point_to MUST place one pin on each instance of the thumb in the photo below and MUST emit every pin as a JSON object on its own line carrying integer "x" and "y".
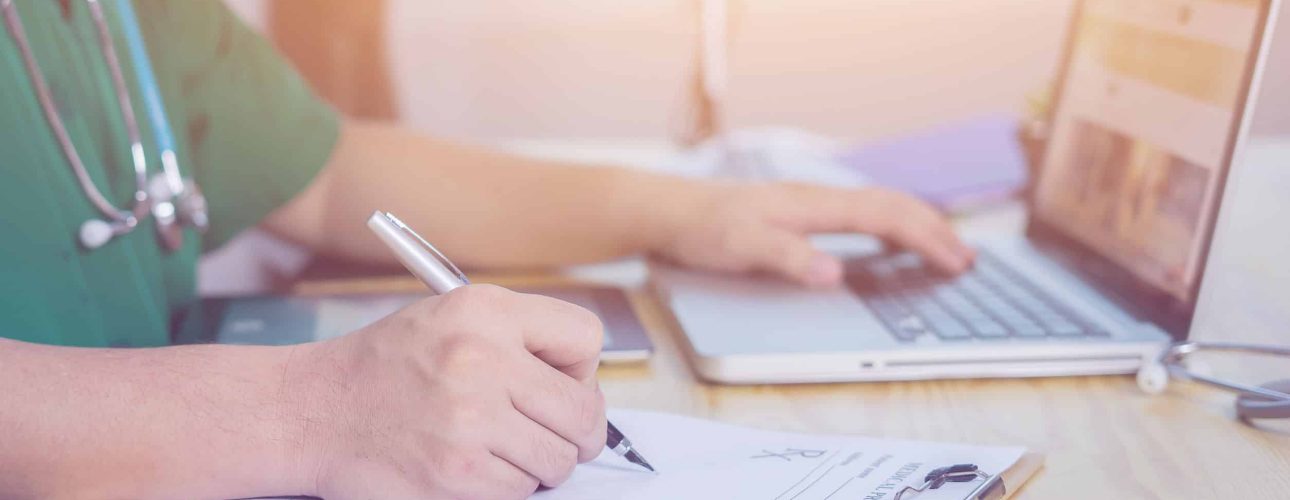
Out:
{"x": 792, "y": 256}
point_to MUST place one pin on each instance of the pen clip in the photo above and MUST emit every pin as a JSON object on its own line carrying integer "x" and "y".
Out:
{"x": 447, "y": 264}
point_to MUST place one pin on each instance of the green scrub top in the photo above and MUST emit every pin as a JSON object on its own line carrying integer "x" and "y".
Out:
{"x": 247, "y": 128}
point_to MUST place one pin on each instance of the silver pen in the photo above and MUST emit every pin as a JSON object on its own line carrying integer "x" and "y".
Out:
{"x": 439, "y": 273}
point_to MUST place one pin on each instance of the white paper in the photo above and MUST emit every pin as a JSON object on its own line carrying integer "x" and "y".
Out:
{"x": 704, "y": 459}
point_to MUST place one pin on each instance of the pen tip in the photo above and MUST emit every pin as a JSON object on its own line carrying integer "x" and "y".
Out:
{"x": 637, "y": 459}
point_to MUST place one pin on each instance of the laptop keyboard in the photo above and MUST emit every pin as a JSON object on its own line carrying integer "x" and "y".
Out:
{"x": 990, "y": 302}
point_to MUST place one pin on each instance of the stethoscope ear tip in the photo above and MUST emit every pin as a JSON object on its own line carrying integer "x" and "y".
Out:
{"x": 95, "y": 233}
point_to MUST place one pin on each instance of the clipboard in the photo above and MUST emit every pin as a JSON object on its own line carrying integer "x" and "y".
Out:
{"x": 1026, "y": 467}
{"x": 978, "y": 484}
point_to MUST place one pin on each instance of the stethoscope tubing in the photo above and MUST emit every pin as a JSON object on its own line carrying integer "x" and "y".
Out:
{"x": 175, "y": 201}
{"x": 1173, "y": 358}
{"x": 50, "y": 110}
{"x": 151, "y": 95}
{"x": 126, "y": 103}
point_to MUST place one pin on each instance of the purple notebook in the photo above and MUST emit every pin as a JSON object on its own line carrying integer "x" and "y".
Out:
{"x": 956, "y": 166}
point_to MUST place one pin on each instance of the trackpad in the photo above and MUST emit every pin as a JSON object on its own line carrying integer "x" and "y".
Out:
{"x": 724, "y": 315}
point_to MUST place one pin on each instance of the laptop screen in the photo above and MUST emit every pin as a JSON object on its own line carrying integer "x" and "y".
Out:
{"x": 1150, "y": 102}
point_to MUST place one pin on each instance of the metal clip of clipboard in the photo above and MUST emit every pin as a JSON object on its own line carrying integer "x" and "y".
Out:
{"x": 991, "y": 487}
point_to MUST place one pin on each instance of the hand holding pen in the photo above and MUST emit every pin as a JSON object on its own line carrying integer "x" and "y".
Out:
{"x": 441, "y": 276}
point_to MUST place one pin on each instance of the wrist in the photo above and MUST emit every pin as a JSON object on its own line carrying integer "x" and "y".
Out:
{"x": 309, "y": 396}
{"x": 664, "y": 207}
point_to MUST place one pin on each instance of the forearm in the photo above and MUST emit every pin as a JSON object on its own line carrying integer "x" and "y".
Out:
{"x": 484, "y": 208}
{"x": 182, "y": 422}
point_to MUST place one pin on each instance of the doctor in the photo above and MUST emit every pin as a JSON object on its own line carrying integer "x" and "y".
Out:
{"x": 136, "y": 136}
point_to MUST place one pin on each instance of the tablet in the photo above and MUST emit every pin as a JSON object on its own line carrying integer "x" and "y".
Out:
{"x": 282, "y": 320}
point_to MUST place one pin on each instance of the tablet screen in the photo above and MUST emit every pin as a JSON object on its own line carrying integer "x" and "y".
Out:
{"x": 283, "y": 320}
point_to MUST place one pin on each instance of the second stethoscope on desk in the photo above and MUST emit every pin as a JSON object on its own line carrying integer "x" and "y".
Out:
{"x": 1271, "y": 400}
{"x": 172, "y": 201}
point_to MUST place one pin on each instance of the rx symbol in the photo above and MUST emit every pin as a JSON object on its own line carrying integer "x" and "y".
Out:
{"x": 789, "y": 453}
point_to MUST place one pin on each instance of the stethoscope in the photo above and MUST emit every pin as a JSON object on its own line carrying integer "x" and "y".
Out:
{"x": 173, "y": 201}
{"x": 1271, "y": 400}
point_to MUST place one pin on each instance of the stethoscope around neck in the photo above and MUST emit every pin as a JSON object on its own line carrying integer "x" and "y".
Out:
{"x": 172, "y": 201}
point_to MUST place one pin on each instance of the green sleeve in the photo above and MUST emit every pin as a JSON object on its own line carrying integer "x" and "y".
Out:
{"x": 252, "y": 131}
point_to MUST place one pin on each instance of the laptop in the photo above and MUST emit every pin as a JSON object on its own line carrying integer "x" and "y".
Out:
{"x": 1152, "y": 105}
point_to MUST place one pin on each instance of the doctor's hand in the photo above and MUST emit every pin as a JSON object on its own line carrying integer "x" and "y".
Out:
{"x": 764, "y": 228}
{"x": 479, "y": 393}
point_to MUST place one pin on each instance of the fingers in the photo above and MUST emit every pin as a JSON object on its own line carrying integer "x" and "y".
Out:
{"x": 792, "y": 256}
{"x": 935, "y": 243}
{"x": 466, "y": 473}
{"x": 499, "y": 479}
{"x": 572, "y": 409}
{"x": 551, "y": 377}
{"x": 535, "y": 449}
{"x": 895, "y": 217}
{"x": 561, "y": 334}
{"x": 570, "y": 341}
{"x": 463, "y": 390}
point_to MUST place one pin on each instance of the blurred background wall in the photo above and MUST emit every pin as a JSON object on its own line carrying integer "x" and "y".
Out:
{"x": 853, "y": 69}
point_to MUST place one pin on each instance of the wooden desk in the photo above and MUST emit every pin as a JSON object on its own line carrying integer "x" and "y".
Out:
{"x": 1103, "y": 438}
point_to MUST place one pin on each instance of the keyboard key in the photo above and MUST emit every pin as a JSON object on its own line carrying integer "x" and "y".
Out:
{"x": 891, "y": 313}
{"x": 1010, "y": 314}
{"x": 989, "y": 330}
{"x": 1053, "y": 320}
{"x": 994, "y": 304}
{"x": 989, "y": 302}
{"x": 885, "y": 306}
{"x": 951, "y": 330}
{"x": 1065, "y": 329}
{"x": 1037, "y": 308}
{"x": 909, "y": 328}
{"x": 971, "y": 314}
{"x": 1030, "y": 331}
{"x": 928, "y": 308}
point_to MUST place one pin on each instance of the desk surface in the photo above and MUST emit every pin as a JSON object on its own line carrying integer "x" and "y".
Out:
{"x": 1102, "y": 437}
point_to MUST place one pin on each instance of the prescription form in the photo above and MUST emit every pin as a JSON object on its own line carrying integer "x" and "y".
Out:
{"x": 702, "y": 459}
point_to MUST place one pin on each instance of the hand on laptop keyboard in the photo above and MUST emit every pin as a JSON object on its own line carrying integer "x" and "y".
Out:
{"x": 764, "y": 228}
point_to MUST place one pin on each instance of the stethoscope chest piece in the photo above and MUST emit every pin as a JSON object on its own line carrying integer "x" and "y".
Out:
{"x": 1255, "y": 406}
